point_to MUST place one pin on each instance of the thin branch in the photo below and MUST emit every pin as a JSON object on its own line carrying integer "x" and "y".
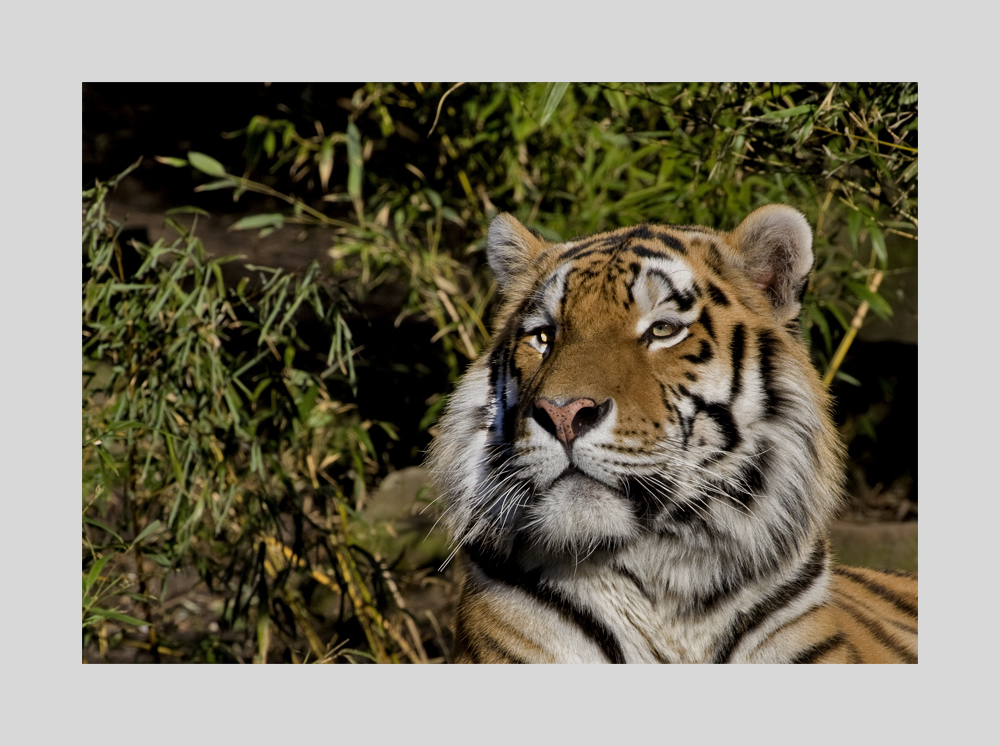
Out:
{"x": 440, "y": 104}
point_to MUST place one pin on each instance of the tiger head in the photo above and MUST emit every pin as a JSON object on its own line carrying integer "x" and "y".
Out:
{"x": 647, "y": 384}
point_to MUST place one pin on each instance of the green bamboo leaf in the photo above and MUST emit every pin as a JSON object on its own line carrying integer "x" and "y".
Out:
{"x": 168, "y": 161}
{"x": 878, "y": 245}
{"x": 554, "y": 93}
{"x": 847, "y": 378}
{"x": 389, "y": 429}
{"x": 853, "y": 227}
{"x": 434, "y": 197}
{"x": 824, "y": 327}
{"x": 213, "y": 185}
{"x": 109, "y": 463}
{"x": 879, "y": 306}
{"x": 95, "y": 571}
{"x": 360, "y": 653}
{"x": 786, "y": 113}
{"x": 117, "y": 616}
{"x": 264, "y": 220}
{"x": 355, "y": 162}
{"x": 308, "y": 401}
{"x": 161, "y": 559}
{"x": 838, "y": 314}
{"x": 206, "y": 164}
{"x": 187, "y": 210}
{"x": 326, "y": 162}
{"x": 363, "y": 439}
{"x": 432, "y": 413}
{"x": 145, "y": 533}
{"x": 115, "y": 427}
{"x": 103, "y": 527}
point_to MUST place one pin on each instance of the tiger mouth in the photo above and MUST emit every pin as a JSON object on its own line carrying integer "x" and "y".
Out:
{"x": 574, "y": 479}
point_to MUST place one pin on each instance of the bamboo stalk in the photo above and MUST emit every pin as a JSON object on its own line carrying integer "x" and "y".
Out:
{"x": 856, "y": 322}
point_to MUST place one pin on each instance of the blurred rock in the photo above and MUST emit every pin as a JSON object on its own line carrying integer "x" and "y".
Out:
{"x": 402, "y": 518}
{"x": 881, "y": 546}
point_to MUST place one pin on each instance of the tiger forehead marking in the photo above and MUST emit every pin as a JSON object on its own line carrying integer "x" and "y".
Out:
{"x": 642, "y": 466}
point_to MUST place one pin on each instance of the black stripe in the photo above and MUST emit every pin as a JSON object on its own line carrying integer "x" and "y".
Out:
{"x": 717, "y": 295}
{"x": 577, "y": 253}
{"x": 684, "y": 299}
{"x": 752, "y": 476}
{"x": 855, "y": 655}
{"x": 583, "y": 618}
{"x": 879, "y": 633}
{"x": 633, "y": 578}
{"x": 877, "y": 613}
{"x": 492, "y": 644}
{"x": 532, "y": 584}
{"x": 785, "y": 539}
{"x": 706, "y": 321}
{"x": 649, "y": 252}
{"x": 603, "y": 240}
{"x": 737, "y": 346}
{"x": 701, "y": 603}
{"x": 880, "y": 591}
{"x": 811, "y": 654}
{"x": 648, "y": 232}
{"x": 723, "y": 419}
{"x": 665, "y": 398}
{"x": 643, "y": 504}
{"x": 635, "y": 268}
{"x": 774, "y": 399}
{"x": 800, "y": 293}
{"x": 714, "y": 261}
{"x": 747, "y": 621}
{"x": 704, "y": 354}
{"x": 692, "y": 511}
{"x": 899, "y": 573}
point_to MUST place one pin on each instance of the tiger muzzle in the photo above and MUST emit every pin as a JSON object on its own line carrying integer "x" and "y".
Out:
{"x": 569, "y": 421}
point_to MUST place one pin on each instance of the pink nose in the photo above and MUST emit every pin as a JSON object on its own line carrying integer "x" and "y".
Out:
{"x": 567, "y": 419}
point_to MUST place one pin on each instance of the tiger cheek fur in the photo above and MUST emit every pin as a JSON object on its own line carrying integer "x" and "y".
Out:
{"x": 642, "y": 467}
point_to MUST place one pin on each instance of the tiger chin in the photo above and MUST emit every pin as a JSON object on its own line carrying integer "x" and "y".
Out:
{"x": 643, "y": 467}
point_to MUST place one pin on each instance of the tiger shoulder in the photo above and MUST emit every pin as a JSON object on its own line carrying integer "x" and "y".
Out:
{"x": 643, "y": 466}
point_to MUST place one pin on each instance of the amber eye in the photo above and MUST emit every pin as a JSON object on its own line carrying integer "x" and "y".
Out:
{"x": 541, "y": 339}
{"x": 664, "y": 329}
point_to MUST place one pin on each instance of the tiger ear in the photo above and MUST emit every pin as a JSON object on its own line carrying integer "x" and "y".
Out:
{"x": 773, "y": 246}
{"x": 511, "y": 247}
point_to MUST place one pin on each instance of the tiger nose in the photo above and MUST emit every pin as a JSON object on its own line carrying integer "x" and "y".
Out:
{"x": 569, "y": 421}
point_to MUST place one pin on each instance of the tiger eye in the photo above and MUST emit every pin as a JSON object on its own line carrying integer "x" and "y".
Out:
{"x": 664, "y": 329}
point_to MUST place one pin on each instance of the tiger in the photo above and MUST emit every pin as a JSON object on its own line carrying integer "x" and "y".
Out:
{"x": 643, "y": 465}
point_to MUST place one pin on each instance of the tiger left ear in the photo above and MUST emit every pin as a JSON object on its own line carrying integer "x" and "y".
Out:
{"x": 773, "y": 246}
{"x": 511, "y": 247}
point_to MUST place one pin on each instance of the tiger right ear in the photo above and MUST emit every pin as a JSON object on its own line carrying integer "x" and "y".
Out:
{"x": 511, "y": 247}
{"x": 773, "y": 245}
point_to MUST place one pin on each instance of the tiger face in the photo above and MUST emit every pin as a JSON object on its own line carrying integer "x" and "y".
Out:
{"x": 645, "y": 387}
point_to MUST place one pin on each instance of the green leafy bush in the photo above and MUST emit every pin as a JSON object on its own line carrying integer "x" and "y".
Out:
{"x": 212, "y": 447}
